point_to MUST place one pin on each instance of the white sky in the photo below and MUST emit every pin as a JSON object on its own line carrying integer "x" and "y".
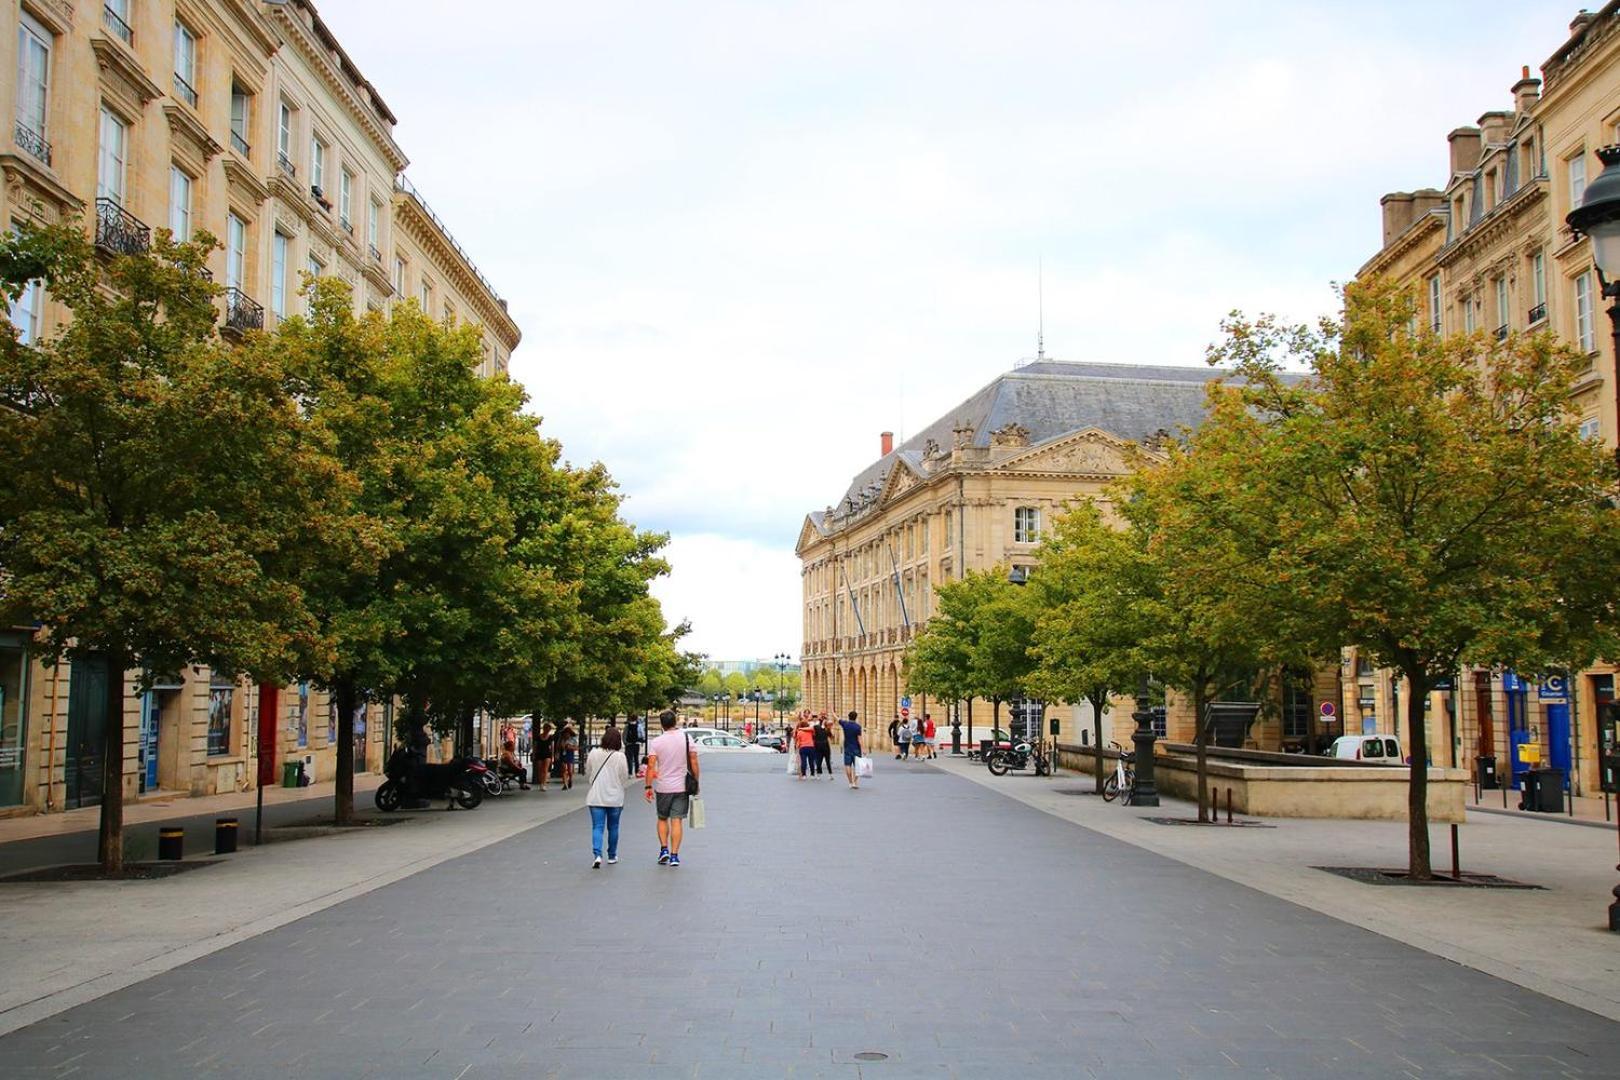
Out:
{"x": 742, "y": 239}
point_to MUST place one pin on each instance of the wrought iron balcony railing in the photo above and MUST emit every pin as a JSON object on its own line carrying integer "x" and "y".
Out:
{"x": 1502, "y": 332}
{"x": 286, "y": 164}
{"x": 348, "y": 226}
{"x": 33, "y": 142}
{"x": 1537, "y": 313}
{"x": 375, "y": 254}
{"x": 115, "y": 22}
{"x": 242, "y": 313}
{"x": 184, "y": 90}
{"x": 118, "y": 231}
{"x": 239, "y": 144}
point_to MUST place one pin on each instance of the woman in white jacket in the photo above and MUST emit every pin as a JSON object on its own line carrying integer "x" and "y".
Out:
{"x": 607, "y": 772}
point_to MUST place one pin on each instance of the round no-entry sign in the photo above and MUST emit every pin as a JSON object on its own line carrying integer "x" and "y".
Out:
{"x": 1327, "y": 708}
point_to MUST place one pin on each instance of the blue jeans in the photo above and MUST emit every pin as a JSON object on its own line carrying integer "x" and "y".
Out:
{"x": 609, "y": 816}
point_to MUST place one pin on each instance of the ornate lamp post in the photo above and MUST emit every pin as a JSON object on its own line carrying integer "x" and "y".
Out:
{"x": 1143, "y": 790}
{"x": 782, "y": 660}
{"x": 1598, "y": 218}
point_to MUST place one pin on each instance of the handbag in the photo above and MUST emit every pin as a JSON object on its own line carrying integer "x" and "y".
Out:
{"x": 863, "y": 767}
{"x": 691, "y": 777}
{"x": 697, "y": 814}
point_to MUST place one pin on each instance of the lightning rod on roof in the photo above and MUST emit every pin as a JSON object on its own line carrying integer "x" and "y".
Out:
{"x": 1040, "y": 307}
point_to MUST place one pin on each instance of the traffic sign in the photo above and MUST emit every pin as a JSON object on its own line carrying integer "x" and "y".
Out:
{"x": 1327, "y": 708}
{"x": 905, "y": 702}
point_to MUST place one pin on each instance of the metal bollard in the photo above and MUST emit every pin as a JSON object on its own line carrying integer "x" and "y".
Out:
{"x": 1229, "y": 806}
{"x": 1456, "y": 863}
{"x": 225, "y": 836}
{"x": 171, "y": 844}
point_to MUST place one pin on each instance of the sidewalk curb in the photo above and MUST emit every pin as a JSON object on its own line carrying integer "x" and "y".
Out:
{"x": 1563, "y": 819}
{"x": 98, "y": 985}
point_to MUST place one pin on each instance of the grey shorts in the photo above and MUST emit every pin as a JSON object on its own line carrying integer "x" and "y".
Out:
{"x": 672, "y": 804}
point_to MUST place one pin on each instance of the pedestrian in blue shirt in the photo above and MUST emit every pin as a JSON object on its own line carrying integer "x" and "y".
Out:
{"x": 852, "y": 749}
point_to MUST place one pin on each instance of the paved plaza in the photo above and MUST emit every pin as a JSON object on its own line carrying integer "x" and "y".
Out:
{"x": 925, "y": 918}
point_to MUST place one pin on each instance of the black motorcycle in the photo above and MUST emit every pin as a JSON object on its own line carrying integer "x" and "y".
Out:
{"x": 410, "y": 779}
{"x": 1019, "y": 756}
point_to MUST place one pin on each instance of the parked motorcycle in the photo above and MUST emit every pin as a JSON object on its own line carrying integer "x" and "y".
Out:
{"x": 1019, "y": 756}
{"x": 409, "y": 778}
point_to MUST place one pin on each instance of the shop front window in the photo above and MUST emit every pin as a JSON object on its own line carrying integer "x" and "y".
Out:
{"x": 13, "y": 717}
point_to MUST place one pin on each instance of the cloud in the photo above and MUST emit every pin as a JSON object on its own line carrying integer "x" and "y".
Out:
{"x": 742, "y": 239}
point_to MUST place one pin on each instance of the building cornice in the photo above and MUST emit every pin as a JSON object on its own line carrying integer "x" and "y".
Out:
{"x": 23, "y": 173}
{"x": 317, "y": 56}
{"x": 1505, "y": 219}
{"x": 413, "y": 216}
{"x": 1405, "y": 242}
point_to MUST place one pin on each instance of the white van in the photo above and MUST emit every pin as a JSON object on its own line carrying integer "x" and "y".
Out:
{"x": 1383, "y": 749}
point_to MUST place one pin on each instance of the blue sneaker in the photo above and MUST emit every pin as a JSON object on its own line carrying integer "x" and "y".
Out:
{"x": 674, "y": 861}
{"x": 663, "y": 856}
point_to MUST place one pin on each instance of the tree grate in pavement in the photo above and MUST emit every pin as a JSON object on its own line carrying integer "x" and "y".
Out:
{"x": 136, "y": 871}
{"x": 1372, "y": 875}
{"x": 1238, "y": 824}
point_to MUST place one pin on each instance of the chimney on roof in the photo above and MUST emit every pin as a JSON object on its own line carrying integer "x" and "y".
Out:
{"x": 1464, "y": 150}
{"x": 888, "y": 443}
{"x": 1526, "y": 92}
{"x": 1397, "y": 214}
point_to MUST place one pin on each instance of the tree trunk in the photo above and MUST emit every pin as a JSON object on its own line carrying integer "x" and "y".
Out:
{"x": 1417, "y": 792}
{"x": 1099, "y": 701}
{"x": 110, "y": 837}
{"x": 1201, "y": 747}
{"x": 343, "y": 794}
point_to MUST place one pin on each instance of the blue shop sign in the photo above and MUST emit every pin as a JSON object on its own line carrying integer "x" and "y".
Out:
{"x": 1511, "y": 682}
{"x": 1554, "y": 688}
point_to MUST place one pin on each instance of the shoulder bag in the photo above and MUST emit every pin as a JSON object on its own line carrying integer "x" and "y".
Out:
{"x": 691, "y": 777}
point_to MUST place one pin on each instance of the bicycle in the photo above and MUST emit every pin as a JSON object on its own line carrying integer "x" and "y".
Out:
{"x": 1121, "y": 784}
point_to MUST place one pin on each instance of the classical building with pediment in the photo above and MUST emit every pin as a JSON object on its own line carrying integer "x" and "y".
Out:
{"x": 973, "y": 490}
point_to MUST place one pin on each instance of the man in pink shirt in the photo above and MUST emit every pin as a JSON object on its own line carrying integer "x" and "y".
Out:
{"x": 669, "y": 759}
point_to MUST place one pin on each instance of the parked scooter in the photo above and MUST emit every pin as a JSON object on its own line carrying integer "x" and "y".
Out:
{"x": 1019, "y": 756}
{"x": 409, "y": 778}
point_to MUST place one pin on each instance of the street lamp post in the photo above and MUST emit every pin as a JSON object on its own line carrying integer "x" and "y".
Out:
{"x": 1598, "y": 218}
{"x": 1143, "y": 790}
{"x": 782, "y": 660}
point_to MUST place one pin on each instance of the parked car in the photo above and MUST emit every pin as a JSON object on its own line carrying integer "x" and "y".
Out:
{"x": 1380, "y": 749}
{"x": 772, "y": 740}
{"x": 727, "y": 744}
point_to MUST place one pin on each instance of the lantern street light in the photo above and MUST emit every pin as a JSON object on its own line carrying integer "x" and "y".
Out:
{"x": 1598, "y": 218}
{"x": 781, "y": 660}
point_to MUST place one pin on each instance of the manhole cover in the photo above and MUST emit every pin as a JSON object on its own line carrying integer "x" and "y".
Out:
{"x": 871, "y": 1055}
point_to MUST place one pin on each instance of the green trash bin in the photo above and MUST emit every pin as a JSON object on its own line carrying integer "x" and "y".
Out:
{"x": 289, "y": 774}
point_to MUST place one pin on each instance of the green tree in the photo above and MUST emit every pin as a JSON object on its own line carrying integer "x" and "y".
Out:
{"x": 1085, "y": 635}
{"x": 1429, "y": 500}
{"x": 711, "y": 683}
{"x": 977, "y": 643}
{"x": 160, "y": 486}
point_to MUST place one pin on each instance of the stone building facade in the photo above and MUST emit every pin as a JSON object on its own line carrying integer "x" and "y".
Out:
{"x": 1490, "y": 253}
{"x": 974, "y": 490}
{"x": 246, "y": 119}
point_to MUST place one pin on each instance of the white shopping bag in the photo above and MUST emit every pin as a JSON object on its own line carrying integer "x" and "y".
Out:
{"x": 698, "y": 816}
{"x": 863, "y": 767}
{"x": 792, "y": 762}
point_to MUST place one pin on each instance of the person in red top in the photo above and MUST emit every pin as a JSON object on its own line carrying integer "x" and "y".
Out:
{"x": 928, "y": 734}
{"x": 805, "y": 739}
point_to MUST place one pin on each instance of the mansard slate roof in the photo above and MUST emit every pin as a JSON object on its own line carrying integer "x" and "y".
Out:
{"x": 1052, "y": 398}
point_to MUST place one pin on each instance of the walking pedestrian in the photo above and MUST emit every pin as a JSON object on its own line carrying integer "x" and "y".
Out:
{"x": 821, "y": 741}
{"x": 606, "y": 774}
{"x": 919, "y": 741}
{"x": 669, "y": 761}
{"x": 545, "y": 740}
{"x": 929, "y": 733}
{"x": 567, "y": 747}
{"x": 894, "y": 734}
{"x": 632, "y": 744}
{"x": 805, "y": 740}
{"x": 902, "y": 740}
{"x": 852, "y": 748}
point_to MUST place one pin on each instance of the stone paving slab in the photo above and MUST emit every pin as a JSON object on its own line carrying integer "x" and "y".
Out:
{"x": 812, "y": 923}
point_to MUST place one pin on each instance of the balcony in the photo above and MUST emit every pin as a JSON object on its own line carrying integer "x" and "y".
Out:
{"x": 1537, "y": 313}
{"x": 375, "y": 254}
{"x": 286, "y": 164}
{"x": 239, "y": 144}
{"x": 1502, "y": 332}
{"x": 241, "y": 312}
{"x": 33, "y": 143}
{"x": 115, "y": 23}
{"x": 184, "y": 90}
{"x": 348, "y": 226}
{"x": 118, "y": 231}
